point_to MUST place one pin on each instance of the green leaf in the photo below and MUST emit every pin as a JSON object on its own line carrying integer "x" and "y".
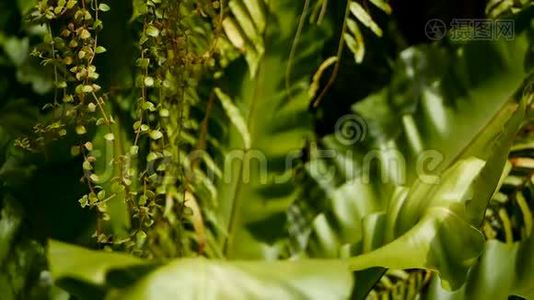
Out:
{"x": 189, "y": 278}
{"x": 152, "y": 31}
{"x": 235, "y": 116}
{"x": 316, "y": 82}
{"x": 361, "y": 14}
{"x": 21, "y": 258}
{"x": 87, "y": 165}
{"x": 87, "y": 89}
{"x": 143, "y": 62}
{"x": 134, "y": 150}
{"x": 68, "y": 261}
{"x": 383, "y": 5}
{"x": 71, "y": 3}
{"x": 232, "y": 32}
{"x": 113, "y": 146}
{"x": 156, "y": 134}
{"x": 16, "y": 49}
{"x": 355, "y": 41}
{"x": 243, "y": 18}
{"x": 256, "y": 188}
{"x": 109, "y": 136}
{"x": 85, "y": 34}
{"x": 502, "y": 271}
{"x": 256, "y": 9}
{"x": 11, "y": 218}
{"x": 25, "y": 6}
{"x": 147, "y": 105}
{"x": 139, "y": 8}
{"x": 103, "y": 7}
{"x": 405, "y": 206}
{"x": 441, "y": 229}
{"x": 148, "y": 81}
{"x": 245, "y": 29}
{"x": 100, "y": 49}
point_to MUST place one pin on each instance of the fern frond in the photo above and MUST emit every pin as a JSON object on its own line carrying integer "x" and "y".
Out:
{"x": 245, "y": 28}
{"x": 353, "y": 36}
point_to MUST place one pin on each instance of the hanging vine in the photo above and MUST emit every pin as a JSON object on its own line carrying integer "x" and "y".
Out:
{"x": 69, "y": 48}
{"x": 176, "y": 46}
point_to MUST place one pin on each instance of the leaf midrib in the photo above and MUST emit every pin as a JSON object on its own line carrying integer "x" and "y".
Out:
{"x": 236, "y": 197}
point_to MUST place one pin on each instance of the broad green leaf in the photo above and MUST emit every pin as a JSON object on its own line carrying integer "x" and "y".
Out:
{"x": 505, "y": 268}
{"x": 69, "y": 261}
{"x": 502, "y": 271}
{"x": 199, "y": 278}
{"x": 416, "y": 135}
{"x": 211, "y": 279}
{"x": 441, "y": 240}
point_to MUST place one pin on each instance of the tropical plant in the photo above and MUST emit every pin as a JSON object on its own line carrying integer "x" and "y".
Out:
{"x": 260, "y": 149}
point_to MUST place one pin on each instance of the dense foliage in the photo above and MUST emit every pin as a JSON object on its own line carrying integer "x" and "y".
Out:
{"x": 270, "y": 149}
